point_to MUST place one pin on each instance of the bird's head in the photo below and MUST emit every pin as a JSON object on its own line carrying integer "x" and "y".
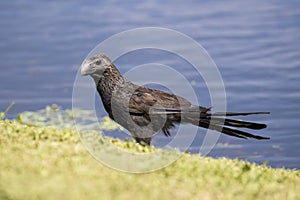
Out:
{"x": 95, "y": 66}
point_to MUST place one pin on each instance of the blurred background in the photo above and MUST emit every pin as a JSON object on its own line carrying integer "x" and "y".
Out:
{"x": 255, "y": 44}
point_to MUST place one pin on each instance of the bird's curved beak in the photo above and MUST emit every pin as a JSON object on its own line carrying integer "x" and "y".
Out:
{"x": 85, "y": 69}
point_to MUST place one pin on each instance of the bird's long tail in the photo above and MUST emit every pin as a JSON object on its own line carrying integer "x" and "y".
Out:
{"x": 216, "y": 121}
{"x": 224, "y": 125}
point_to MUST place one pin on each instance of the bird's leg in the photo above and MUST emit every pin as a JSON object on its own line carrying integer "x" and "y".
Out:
{"x": 143, "y": 141}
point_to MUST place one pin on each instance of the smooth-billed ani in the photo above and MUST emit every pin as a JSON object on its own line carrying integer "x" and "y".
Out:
{"x": 143, "y": 111}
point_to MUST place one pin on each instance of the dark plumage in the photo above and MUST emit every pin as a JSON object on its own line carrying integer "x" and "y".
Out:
{"x": 144, "y": 111}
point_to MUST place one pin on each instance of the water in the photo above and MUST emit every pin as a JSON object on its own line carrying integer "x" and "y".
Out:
{"x": 255, "y": 44}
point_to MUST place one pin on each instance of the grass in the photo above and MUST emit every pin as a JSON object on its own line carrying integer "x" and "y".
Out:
{"x": 39, "y": 162}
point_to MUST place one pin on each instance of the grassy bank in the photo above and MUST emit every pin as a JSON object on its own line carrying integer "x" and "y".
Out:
{"x": 47, "y": 163}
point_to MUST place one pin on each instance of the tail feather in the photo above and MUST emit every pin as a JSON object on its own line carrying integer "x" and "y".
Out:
{"x": 236, "y": 113}
{"x": 237, "y": 123}
{"x": 215, "y": 122}
{"x": 231, "y": 132}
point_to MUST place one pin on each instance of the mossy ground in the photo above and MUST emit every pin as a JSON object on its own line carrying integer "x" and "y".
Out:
{"x": 47, "y": 163}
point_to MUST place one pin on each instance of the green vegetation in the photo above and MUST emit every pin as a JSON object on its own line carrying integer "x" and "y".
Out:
{"x": 39, "y": 162}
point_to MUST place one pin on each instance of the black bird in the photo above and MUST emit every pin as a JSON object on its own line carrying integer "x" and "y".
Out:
{"x": 143, "y": 111}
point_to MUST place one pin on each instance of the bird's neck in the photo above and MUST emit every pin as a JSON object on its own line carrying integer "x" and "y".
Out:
{"x": 108, "y": 83}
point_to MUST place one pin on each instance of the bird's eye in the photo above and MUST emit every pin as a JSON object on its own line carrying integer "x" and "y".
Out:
{"x": 98, "y": 62}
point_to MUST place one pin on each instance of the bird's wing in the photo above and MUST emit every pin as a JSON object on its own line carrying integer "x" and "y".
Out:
{"x": 141, "y": 101}
{"x": 150, "y": 101}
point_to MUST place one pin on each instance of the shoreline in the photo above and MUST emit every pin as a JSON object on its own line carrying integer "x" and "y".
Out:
{"x": 46, "y": 163}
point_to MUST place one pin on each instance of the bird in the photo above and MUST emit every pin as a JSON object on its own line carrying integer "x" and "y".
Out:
{"x": 144, "y": 111}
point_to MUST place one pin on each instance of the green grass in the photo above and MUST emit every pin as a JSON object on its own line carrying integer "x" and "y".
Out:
{"x": 48, "y": 163}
